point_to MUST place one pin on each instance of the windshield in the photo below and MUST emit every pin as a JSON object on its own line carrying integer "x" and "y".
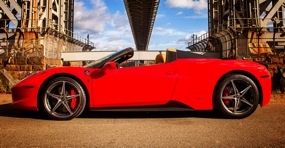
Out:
{"x": 119, "y": 56}
{"x": 96, "y": 62}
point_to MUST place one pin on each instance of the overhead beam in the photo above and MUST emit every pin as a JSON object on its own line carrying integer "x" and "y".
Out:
{"x": 141, "y": 14}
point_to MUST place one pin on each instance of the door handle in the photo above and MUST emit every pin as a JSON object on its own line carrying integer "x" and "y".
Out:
{"x": 169, "y": 73}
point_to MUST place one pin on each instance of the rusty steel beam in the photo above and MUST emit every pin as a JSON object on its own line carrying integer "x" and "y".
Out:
{"x": 273, "y": 10}
{"x": 9, "y": 14}
{"x": 141, "y": 14}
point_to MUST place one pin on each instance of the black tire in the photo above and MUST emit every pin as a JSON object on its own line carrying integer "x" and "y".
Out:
{"x": 63, "y": 99}
{"x": 237, "y": 97}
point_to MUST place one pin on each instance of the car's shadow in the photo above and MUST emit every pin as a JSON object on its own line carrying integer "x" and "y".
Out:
{"x": 6, "y": 110}
{"x": 149, "y": 114}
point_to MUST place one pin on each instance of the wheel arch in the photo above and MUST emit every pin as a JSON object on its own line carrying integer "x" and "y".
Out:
{"x": 251, "y": 76}
{"x": 43, "y": 85}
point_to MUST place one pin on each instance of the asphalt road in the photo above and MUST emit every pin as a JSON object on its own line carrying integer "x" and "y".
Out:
{"x": 265, "y": 128}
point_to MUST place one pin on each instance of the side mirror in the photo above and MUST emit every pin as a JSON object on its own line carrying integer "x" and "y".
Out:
{"x": 109, "y": 66}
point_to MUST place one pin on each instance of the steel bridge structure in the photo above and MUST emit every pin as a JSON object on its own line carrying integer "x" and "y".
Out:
{"x": 141, "y": 14}
{"x": 239, "y": 28}
{"x": 34, "y": 33}
{"x": 33, "y": 27}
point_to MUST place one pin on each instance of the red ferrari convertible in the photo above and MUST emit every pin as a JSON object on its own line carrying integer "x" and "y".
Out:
{"x": 184, "y": 81}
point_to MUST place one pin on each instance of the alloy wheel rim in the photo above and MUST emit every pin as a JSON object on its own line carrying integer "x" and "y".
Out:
{"x": 238, "y": 97}
{"x": 62, "y": 99}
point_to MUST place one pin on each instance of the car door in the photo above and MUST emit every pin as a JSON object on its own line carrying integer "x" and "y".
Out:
{"x": 134, "y": 86}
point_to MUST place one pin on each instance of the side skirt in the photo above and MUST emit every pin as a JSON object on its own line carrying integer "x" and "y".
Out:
{"x": 171, "y": 106}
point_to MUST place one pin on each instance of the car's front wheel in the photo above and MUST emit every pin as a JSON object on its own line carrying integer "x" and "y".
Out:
{"x": 237, "y": 96}
{"x": 63, "y": 99}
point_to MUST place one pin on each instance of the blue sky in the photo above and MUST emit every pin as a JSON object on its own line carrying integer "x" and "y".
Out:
{"x": 107, "y": 23}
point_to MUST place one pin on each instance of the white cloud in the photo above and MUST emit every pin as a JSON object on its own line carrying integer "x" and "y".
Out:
{"x": 119, "y": 20}
{"x": 160, "y": 16}
{"x": 112, "y": 44}
{"x": 167, "y": 32}
{"x": 180, "y": 13}
{"x": 197, "y": 5}
{"x": 114, "y": 39}
{"x": 107, "y": 31}
{"x": 188, "y": 37}
{"x": 181, "y": 42}
{"x": 168, "y": 24}
{"x": 88, "y": 20}
{"x": 166, "y": 44}
{"x": 170, "y": 38}
{"x": 199, "y": 16}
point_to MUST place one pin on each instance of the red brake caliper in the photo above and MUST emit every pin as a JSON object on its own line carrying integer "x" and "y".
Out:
{"x": 73, "y": 100}
{"x": 226, "y": 93}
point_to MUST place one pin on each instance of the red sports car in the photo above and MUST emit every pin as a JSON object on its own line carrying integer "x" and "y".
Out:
{"x": 185, "y": 81}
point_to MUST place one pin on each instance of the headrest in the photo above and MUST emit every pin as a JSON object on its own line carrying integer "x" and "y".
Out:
{"x": 171, "y": 49}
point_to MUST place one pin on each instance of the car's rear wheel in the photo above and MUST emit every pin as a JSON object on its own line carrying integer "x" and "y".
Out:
{"x": 237, "y": 96}
{"x": 63, "y": 99}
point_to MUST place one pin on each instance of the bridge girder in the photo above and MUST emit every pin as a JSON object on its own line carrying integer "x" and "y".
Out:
{"x": 141, "y": 14}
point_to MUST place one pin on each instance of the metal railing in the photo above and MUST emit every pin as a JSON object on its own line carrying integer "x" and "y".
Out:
{"x": 197, "y": 39}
